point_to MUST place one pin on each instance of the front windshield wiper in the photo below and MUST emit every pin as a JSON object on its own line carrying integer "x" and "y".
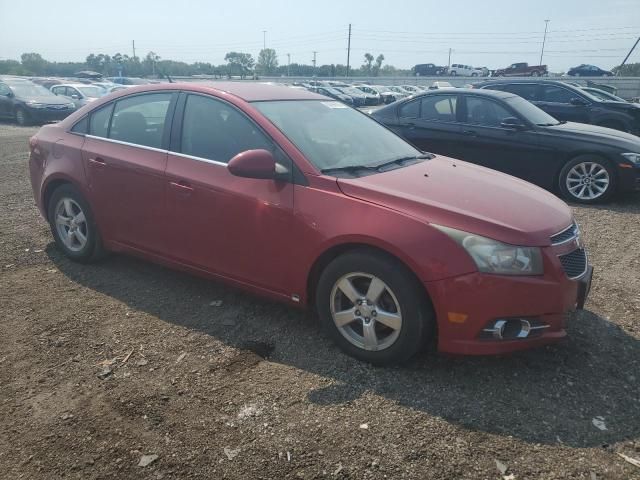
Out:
{"x": 349, "y": 169}
{"x": 401, "y": 160}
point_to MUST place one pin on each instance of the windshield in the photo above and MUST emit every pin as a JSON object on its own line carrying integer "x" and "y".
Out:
{"x": 332, "y": 135}
{"x": 27, "y": 89}
{"x": 92, "y": 91}
{"x": 530, "y": 111}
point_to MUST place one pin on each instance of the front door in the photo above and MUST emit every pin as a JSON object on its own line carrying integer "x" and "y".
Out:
{"x": 125, "y": 157}
{"x": 234, "y": 227}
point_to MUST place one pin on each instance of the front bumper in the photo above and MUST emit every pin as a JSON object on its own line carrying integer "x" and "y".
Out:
{"x": 48, "y": 114}
{"x": 629, "y": 177}
{"x": 468, "y": 305}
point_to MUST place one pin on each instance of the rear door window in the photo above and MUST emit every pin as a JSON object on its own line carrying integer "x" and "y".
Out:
{"x": 99, "y": 121}
{"x": 439, "y": 107}
{"x": 524, "y": 90}
{"x": 214, "y": 130}
{"x": 140, "y": 119}
{"x": 410, "y": 109}
{"x": 556, "y": 94}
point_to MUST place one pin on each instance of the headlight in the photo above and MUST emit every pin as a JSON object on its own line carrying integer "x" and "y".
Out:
{"x": 491, "y": 256}
{"x": 634, "y": 157}
{"x": 35, "y": 105}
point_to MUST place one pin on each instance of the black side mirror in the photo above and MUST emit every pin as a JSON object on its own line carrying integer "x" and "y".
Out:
{"x": 578, "y": 102}
{"x": 513, "y": 123}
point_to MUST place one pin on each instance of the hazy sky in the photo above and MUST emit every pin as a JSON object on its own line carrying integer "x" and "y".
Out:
{"x": 492, "y": 34}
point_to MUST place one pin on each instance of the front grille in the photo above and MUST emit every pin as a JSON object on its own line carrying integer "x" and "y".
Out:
{"x": 56, "y": 107}
{"x": 565, "y": 235}
{"x": 574, "y": 263}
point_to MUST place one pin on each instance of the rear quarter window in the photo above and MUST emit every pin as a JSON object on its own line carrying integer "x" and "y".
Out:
{"x": 99, "y": 121}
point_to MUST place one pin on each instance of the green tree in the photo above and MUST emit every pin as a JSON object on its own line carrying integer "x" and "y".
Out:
{"x": 378, "y": 65}
{"x": 628, "y": 70}
{"x": 150, "y": 62}
{"x": 368, "y": 60}
{"x": 267, "y": 61}
{"x": 239, "y": 63}
{"x": 34, "y": 63}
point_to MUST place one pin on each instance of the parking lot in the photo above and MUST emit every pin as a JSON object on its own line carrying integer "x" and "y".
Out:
{"x": 101, "y": 365}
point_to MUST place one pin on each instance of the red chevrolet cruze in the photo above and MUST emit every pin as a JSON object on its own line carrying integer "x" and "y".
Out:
{"x": 292, "y": 195}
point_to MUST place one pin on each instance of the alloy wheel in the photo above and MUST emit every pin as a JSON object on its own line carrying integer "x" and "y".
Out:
{"x": 71, "y": 224}
{"x": 366, "y": 311}
{"x": 587, "y": 180}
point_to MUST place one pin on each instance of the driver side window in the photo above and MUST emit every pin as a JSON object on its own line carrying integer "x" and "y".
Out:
{"x": 487, "y": 113}
{"x": 215, "y": 130}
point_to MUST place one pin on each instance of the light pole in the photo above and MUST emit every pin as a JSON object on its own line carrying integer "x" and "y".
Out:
{"x": 264, "y": 39}
{"x": 544, "y": 39}
{"x": 288, "y": 64}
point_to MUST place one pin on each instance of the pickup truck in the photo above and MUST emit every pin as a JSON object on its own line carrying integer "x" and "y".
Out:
{"x": 521, "y": 70}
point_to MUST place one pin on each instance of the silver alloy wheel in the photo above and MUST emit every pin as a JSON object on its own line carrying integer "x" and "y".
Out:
{"x": 21, "y": 117}
{"x": 71, "y": 224}
{"x": 366, "y": 311}
{"x": 587, "y": 180}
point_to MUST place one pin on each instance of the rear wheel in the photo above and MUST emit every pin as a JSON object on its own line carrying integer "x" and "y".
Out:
{"x": 73, "y": 226}
{"x": 587, "y": 179}
{"x": 22, "y": 117}
{"x": 374, "y": 308}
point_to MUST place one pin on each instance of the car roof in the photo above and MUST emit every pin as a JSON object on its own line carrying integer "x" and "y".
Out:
{"x": 521, "y": 80}
{"x": 246, "y": 90}
{"x": 75, "y": 85}
{"x": 469, "y": 91}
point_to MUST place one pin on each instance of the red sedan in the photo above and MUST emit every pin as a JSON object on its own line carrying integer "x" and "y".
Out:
{"x": 291, "y": 195}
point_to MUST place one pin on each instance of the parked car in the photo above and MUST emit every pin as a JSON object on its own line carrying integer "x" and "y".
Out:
{"x": 333, "y": 93}
{"x": 79, "y": 93}
{"x": 428, "y": 69}
{"x": 27, "y": 102}
{"x": 603, "y": 95}
{"x": 572, "y": 104}
{"x": 320, "y": 207}
{"x": 521, "y": 70}
{"x": 130, "y": 80}
{"x": 401, "y": 92}
{"x": 359, "y": 97}
{"x": 368, "y": 89}
{"x": 503, "y": 131}
{"x": 588, "y": 71}
{"x": 413, "y": 89}
{"x": 386, "y": 94}
{"x": 440, "y": 86}
{"x": 47, "y": 82}
{"x": 465, "y": 71}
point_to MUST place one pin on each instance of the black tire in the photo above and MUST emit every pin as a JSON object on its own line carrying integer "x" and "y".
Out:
{"x": 22, "y": 117}
{"x": 92, "y": 249}
{"x": 574, "y": 195}
{"x": 417, "y": 319}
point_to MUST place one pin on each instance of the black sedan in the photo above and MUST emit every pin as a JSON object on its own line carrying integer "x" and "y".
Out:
{"x": 499, "y": 130}
{"x": 570, "y": 103}
{"x": 27, "y": 102}
{"x": 588, "y": 71}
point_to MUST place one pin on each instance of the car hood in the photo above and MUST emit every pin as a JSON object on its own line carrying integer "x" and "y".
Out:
{"x": 587, "y": 131}
{"x": 460, "y": 195}
{"x": 49, "y": 100}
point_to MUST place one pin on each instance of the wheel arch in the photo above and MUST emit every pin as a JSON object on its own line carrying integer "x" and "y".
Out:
{"x": 575, "y": 154}
{"x": 51, "y": 186}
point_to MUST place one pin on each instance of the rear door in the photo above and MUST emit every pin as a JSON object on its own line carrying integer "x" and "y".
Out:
{"x": 235, "y": 227}
{"x": 429, "y": 122}
{"x": 556, "y": 101}
{"x": 125, "y": 156}
{"x": 6, "y": 105}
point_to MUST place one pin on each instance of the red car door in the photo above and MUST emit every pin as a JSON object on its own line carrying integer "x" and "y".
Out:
{"x": 125, "y": 163}
{"x": 231, "y": 226}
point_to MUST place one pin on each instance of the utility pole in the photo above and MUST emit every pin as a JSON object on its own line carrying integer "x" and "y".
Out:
{"x": 314, "y": 63}
{"x": 264, "y": 39}
{"x": 629, "y": 54}
{"x": 133, "y": 45}
{"x": 288, "y": 64}
{"x": 449, "y": 63}
{"x": 544, "y": 39}
{"x": 348, "y": 50}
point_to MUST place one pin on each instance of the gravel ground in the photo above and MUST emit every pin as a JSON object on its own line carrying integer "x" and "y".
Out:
{"x": 104, "y": 365}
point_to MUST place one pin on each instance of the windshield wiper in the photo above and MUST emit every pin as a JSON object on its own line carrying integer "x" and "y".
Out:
{"x": 349, "y": 169}
{"x": 402, "y": 160}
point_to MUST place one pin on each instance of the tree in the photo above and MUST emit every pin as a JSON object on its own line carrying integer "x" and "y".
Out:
{"x": 378, "y": 65}
{"x": 239, "y": 63}
{"x": 150, "y": 62}
{"x": 628, "y": 70}
{"x": 368, "y": 60}
{"x": 34, "y": 63}
{"x": 267, "y": 61}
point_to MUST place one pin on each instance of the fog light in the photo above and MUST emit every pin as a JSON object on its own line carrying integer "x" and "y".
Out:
{"x": 513, "y": 328}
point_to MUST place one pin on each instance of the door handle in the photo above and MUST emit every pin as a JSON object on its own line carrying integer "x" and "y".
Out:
{"x": 182, "y": 186}
{"x": 97, "y": 162}
{"x": 470, "y": 133}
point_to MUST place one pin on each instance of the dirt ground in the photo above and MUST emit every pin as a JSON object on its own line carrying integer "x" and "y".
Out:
{"x": 101, "y": 365}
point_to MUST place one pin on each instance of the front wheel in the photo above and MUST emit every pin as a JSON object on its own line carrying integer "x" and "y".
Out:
{"x": 373, "y": 308}
{"x": 73, "y": 226}
{"x": 22, "y": 117}
{"x": 587, "y": 179}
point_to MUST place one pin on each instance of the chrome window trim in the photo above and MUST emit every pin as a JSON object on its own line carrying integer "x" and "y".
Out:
{"x": 128, "y": 144}
{"x": 199, "y": 159}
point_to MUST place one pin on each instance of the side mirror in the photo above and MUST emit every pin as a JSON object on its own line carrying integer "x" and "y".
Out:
{"x": 253, "y": 164}
{"x": 75, "y": 97}
{"x": 578, "y": 102}
{"x": 512, "y": 123}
